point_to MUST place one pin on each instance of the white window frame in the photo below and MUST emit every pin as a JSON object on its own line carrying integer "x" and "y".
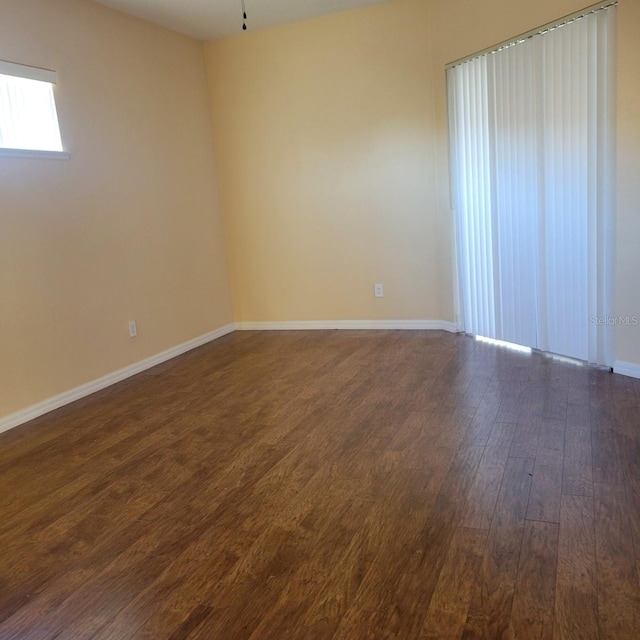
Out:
{"x": 41, "y": 75}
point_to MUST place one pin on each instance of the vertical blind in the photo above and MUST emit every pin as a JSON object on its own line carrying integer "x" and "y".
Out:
{"x": 532, "y": 128}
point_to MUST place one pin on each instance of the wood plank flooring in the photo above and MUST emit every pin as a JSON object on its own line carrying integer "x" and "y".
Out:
{"x": 325, "y": 485}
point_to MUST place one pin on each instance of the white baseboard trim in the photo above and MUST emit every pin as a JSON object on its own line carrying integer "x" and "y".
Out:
{"x": 441, "y": 325}
{"x": 626, "y": 368}
{"x": 36, "y": 410}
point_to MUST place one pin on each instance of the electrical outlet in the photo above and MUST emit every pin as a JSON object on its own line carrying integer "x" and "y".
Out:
{"x": 133, "y": 329}
{"x": 378, "y": 290}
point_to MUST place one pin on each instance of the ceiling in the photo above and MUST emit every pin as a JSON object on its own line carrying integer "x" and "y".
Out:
{"x": 209, "y": 19}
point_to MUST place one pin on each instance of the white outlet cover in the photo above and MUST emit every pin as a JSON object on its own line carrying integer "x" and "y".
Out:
{"x": 133, "y": 329}
{"x": 378, "y": 290}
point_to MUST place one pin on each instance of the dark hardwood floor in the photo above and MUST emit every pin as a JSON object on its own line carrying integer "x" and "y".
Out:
{"x": 316, "y": 485}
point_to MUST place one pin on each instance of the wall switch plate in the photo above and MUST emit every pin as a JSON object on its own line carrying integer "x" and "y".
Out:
{"x": 378, "y": 290}
{"x": 133, "y": 329}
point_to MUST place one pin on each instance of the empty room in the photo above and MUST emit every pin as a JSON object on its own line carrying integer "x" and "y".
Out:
{"x": 319, "y": 319}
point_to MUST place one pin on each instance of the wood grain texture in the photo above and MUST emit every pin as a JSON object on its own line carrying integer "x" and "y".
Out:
{"x": 328, "y": 485}
{"x": 577, "y": 477}
{"x": 618, "y": 587}
{"x": 533, "y": 604}
{"x": 446, "y": 615}
{"x": 490, "y": 608}
{"x": 576, "y": 604}
{"x": 488, "y": 479}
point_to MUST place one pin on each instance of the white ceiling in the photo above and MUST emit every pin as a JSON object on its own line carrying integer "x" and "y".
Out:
{"x": 209, "y": 19}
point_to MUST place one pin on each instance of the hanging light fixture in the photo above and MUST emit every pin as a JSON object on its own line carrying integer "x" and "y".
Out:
{"x": 244, "y": 16}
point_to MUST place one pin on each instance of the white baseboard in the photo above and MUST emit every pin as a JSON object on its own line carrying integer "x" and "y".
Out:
{"x": 440, "y": 325}
{"x": 36, "y": 410}
{"x": 626, "y": 369}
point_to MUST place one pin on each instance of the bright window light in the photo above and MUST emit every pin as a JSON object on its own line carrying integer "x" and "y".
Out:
{"x": 565, "y": 360}
{"x": 28, "y": 117}
{"x": 507, "y": 345}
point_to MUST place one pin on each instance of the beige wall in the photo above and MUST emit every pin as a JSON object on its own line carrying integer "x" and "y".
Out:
{"x": 628, "y": 254}
{"x": 331, "y": 140}
{"x": 128, "y": 227}
{"x": 324, "y": 144}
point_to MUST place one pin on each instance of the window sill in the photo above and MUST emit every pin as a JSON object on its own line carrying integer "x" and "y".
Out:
{"x": 31, "y": 153}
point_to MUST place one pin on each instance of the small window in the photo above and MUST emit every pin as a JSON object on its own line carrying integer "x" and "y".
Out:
{"x": 28, "y": 117}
